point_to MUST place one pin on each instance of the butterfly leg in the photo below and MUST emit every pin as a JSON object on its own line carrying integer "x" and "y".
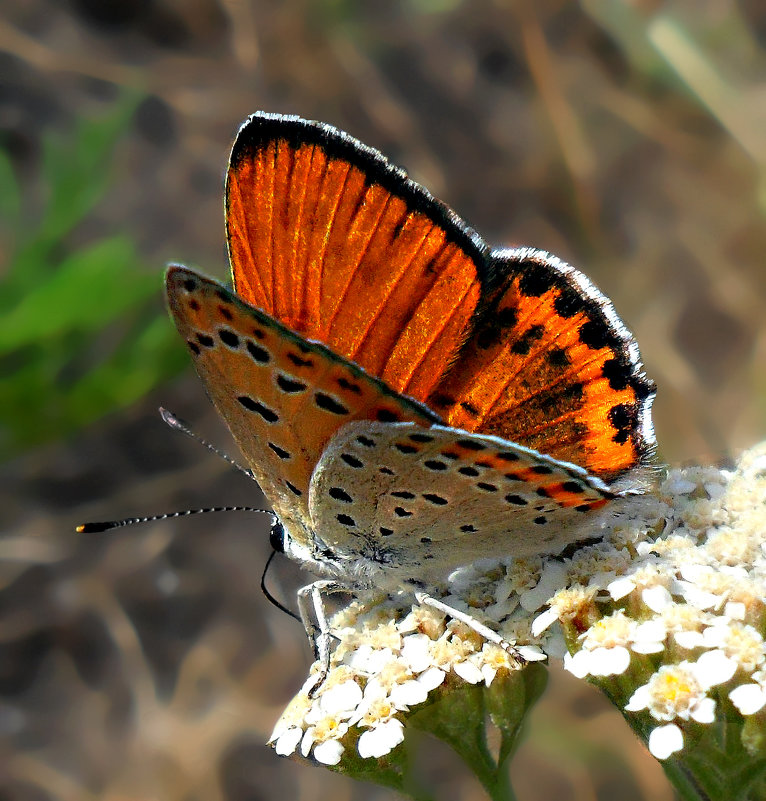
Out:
{"x": 487, "y": 633}
{"x": 311, "y": 608}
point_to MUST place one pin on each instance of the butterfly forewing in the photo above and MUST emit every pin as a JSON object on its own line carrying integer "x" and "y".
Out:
{"x": 282, "y": 397}
{"x": 420, "y": 501}
{"x": 330, "y": 238}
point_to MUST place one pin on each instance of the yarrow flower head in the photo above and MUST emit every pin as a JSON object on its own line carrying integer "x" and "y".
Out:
{"x": 666, "y": 611}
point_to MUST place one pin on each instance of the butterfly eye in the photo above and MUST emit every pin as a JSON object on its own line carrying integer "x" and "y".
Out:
{"x": 277, "y": 537}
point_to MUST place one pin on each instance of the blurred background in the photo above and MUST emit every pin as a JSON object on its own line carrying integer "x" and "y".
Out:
{"x": 629, "y": 138}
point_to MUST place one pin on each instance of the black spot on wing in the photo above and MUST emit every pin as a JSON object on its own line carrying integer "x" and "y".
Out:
{"x": 258, "y": 353}
{"x": 340, "y": 495}
{"x": 280, "y": 452}
{"x": 435, "y": 499}
{"x": 541, "y": 470}
{"x": 344, "y": 383}
{"x": 596, "y": 334}
{"x": 471, "y": 444}
{"x": 329, "y": 404}
{"x": 229, "y": 338}
{"x": 558, "y": 357}
{"x": 252, "y": 405}
{"x": 290, "y": 385}
{"x": 535, "y": 279}
{"x": 351, "y": 460}
{"x": 298, "y": 361}
{"x": 523, "y": 344}
{"x": 402, "y": 447}
{"x": 516, "y": 500}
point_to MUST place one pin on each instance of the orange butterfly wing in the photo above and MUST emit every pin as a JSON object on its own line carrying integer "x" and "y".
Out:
{"x": 331, "y": 239}
{"x": 328, "y": 237}
{"x": 550, "y": 365}
{"x": 282, "y": 397}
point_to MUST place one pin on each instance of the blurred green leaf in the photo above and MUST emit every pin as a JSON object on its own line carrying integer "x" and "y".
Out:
{"x": 82, "y": 330}
{"x": 83, "y": 293}
{"x": 10, "y": 197}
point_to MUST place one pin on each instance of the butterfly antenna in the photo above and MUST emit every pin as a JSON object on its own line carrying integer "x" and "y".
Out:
{"x": 92, "y": 528}
{"x": 179, "y": 425}
{"x": 269, "y": 597}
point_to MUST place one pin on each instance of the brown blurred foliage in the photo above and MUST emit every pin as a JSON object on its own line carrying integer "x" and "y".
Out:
{"x": 629, "y": 138}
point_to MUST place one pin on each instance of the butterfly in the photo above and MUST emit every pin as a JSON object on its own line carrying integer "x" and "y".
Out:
{"x": 408, "y": 399}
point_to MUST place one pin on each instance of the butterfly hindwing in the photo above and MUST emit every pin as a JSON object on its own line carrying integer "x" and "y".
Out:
{"x": 550, "y": 365}
{"x": 419, "y": 501}
{"x": 282, "y": 397}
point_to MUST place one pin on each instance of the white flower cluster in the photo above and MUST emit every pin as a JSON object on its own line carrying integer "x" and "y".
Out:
{"x": 675, "y": 590}
{"x": 388, "y": 660}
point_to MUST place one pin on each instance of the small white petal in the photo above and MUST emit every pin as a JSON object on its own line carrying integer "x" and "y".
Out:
{"x": 408, "y": 693}
{"x": 656, "y": 598}
{"x": 748, "y": 698}
{"x": 431, "y": 678}
{"x": 639, "y": 700}
{"x": 468, "y": 672}
{"x": 678, "y": 485}
{"x": 704, "y": 712}
{"x": 689, "y": 639}
{"x": 531, "y": 653}
{"x": 307, "y": 742}
{"x": 647, "y": 647}
{"x": 735, "y": 610}
{"x": 543, "y": 621}
{"x": 329, "y": 752}
{"x": 488, "y": 673}
{"x": 416, "y": 652}
{"x": 650, "y": 631}
{"x": 381, "y": 740}
{"x": 666, "y": 740}
{"x": 714, "y": 667}
{"x": 288, "y": 741}
{"x": 341, "y": 698}
{"x": 621, "y": 587}
{"x": 357, "y": 659}
{"x": 579, "y": 664}
{"x": 716, "y": 635}
{"x": 556, "y": 645}
{"x": 554, "y": 577}
{"x": 609, "y": 661}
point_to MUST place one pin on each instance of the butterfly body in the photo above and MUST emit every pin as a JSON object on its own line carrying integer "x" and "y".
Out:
{"x": 408, "y": 399}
